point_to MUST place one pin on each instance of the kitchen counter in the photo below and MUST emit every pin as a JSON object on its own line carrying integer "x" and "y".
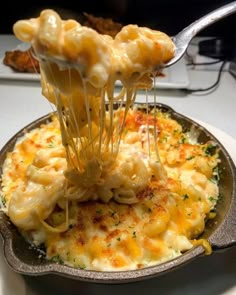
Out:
{"x": 21, "y": 102}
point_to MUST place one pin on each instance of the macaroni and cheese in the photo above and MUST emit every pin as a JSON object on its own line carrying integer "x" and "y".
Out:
{"x": 164, "y": 219}
{"x": 106, "y": 185}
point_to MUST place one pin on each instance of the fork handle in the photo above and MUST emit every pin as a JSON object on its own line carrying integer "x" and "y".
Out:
{"x": 208, "y": 19}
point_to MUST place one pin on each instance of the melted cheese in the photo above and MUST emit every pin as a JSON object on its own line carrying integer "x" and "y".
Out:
{"x": 163, "y": 220}
{"x": 79, "y": 68}
{"x": 105, "y": 186}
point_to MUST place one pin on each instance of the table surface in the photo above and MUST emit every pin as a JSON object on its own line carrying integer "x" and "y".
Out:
{"x": 21, "y": 102}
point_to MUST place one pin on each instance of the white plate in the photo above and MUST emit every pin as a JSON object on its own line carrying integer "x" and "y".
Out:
{"x": 221, "y": 281}
{"x": 175, "y": 77}
{"x": 8, "y": 73}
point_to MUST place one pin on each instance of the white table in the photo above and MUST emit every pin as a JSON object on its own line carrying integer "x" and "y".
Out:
{"x": 21, "y": 102}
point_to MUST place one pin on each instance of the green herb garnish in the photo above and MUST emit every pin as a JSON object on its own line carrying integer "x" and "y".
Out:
{"x": 4, "y": 201}
{"x": 57, "y": 259}
{"x": 185, "y": 197}
{"x": 210, "y": 149}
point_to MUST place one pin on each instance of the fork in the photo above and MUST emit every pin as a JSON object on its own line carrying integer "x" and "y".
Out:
{"x": 183, "y": 38}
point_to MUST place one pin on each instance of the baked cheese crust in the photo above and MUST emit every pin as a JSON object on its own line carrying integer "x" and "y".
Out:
{"x": 106, "y": 235}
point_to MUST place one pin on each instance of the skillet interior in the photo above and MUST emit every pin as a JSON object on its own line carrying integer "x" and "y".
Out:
{"x": 27, "y": 260}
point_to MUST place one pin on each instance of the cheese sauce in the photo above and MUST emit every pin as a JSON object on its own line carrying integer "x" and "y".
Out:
{"x": 161, "y": 218}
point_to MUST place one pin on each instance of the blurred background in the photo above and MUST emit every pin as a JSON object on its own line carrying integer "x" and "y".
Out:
{"x": 170, "y": 16}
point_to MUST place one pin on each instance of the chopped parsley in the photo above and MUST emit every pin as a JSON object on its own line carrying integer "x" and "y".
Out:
{"x": 81, "y": 266}
{"x": 212, "y": 199}
{"x": 190, "y": 158}
{"x": 183, "y": 139}
{"x": 176, "y": 131}
{"x": 185, "y": 197}
{"x": 57, "y": 259}
{"x": 52, "y": 144}
{"x": 163, "y": 139}
{"x": 3, "y": 200}
{"x": 210, "y": 149}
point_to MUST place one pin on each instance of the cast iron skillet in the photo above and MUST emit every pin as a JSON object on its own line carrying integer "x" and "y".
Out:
{"x": 221, "y": 232}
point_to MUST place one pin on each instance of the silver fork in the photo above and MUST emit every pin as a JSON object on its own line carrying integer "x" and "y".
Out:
{"x": 183, "y": 38}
